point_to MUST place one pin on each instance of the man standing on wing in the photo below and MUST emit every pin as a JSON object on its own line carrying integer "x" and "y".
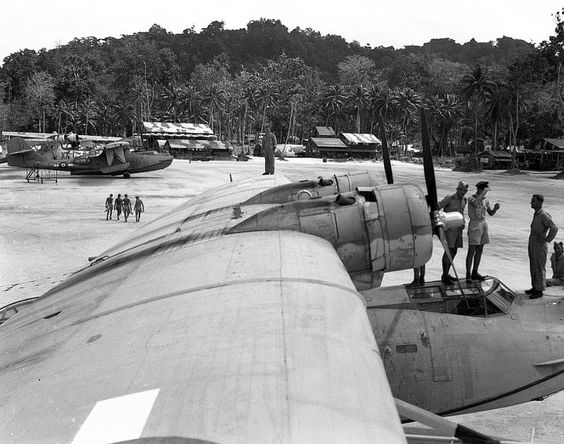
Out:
{"x": 453, "y": 202}
{"x": 478, "y": 236}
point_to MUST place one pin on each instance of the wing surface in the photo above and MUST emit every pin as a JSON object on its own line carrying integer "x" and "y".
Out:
{"x": 209, "y": 211}
{"x": 253, "y": 337}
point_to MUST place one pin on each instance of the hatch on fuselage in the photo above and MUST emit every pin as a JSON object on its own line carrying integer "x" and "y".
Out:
{"x": 488, "y": 298}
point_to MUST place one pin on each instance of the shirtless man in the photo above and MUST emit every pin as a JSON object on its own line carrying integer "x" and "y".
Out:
{"x": 126, "y": 207}
{"x": 139, "y": 208}
{"x": 109, "y": 206}
{"x": 118, "y": 205}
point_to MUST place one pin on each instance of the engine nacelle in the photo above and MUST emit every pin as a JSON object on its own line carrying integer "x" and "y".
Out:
{"x": 374, "y": 230}
{"x": 311, "y": 189}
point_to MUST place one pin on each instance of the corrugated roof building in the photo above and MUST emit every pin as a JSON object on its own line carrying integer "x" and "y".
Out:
{"x": 497, "y": 159}
{"x": 325, "y": 131}
{"x": 177, "y": 130}
{"x": 191, "y": 140}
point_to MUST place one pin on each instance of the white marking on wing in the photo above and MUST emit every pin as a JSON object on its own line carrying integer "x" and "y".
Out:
{"x": 117, "y": 419}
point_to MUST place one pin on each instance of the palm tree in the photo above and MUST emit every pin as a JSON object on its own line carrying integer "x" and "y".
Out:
{"x": 265, "y": 97}
{"x": 69, "y": 112}
{"x": 174, "y": 100}
{"x": 247, "y": 99}
{"x": 407, "y": 102}
{"x": 380, "y": 106}
{"x": 446, "y": 112}
{"x": 88, "y": 109}
{"x": 333, "y": 102}
{"x": 193, "y": 104}
{"x": 358, "y": 100}
{"x": 495, "y": 104}
{"x": 103, "y": 119}
{"x": 213, "y": 97}
{"x": 125, "y": 116}
{"x": 477, "y": 86}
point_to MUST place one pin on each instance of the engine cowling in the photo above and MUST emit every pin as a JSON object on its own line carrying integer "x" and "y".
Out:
{"x": 374, "y": 230}
{"x": 312, "y": 189}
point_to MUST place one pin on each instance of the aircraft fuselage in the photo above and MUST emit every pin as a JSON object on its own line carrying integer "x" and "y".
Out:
{"x": 452, "y": 356}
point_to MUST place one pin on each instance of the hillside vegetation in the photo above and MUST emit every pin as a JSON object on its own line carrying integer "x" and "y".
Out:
{"x": 506, "y": 92}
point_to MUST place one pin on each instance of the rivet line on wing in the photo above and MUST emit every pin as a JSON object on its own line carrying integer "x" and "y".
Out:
{"x": 331, "y": 285}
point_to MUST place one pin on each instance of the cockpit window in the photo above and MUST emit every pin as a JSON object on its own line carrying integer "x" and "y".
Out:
{"x": 485, "y": 298}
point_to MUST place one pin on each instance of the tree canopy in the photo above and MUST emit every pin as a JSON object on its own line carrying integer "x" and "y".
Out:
{"x": 508, "y": 91}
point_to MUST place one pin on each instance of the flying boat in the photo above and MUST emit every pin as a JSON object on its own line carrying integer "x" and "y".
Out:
{"x": 253, "y": 313}
{"x": 114, "y": 158}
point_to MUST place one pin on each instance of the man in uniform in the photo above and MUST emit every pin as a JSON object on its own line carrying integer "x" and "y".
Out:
{"x": 109, "y": 206}
{"x": 543, "y": 231}
{"x": 453, "y": 202}
{"x": 268, "y": 146}
{"x": 478, "y": 236}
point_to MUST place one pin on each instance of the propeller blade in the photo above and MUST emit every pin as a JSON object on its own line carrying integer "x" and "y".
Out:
{"x": 442, "y": 425}
{"x": 428, "y": 163}
{"x": 429, "y": 174}
{"x": 385, "y": 151}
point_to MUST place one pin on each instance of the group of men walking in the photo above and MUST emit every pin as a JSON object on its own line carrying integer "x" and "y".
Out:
{"x": 543, "y": 231}
{"x": 123, "y": 205}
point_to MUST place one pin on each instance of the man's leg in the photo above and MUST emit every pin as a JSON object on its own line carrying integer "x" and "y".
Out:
{"x": 477, "y": 259}
{"x": 538, "y": 267}
{"x": 453, "y": 252}
{"x": 269, "y": 161}
{"x": 470, "y": 259}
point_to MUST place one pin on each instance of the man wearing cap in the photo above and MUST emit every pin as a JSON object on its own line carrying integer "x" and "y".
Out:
{"x": 543, "y": 231}
{"x": 453, "y": 202}
{"x": 478, "y": 206}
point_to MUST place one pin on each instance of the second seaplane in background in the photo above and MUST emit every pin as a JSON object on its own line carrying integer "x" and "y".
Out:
{"x": 114, "y": 158}
{"x": 241, "y": 316}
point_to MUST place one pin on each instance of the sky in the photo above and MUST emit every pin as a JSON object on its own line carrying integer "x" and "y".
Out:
{"x": 36, "y": 24}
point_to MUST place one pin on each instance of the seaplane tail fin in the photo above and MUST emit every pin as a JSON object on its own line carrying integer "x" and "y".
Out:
{"x": 21, "y": 154}
{"x": 18, "y": 145}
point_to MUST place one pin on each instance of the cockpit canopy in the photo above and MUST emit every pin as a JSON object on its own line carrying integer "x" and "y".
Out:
{"x": 488, "y": 298}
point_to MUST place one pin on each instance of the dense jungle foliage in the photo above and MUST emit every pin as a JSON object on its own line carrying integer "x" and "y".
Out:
{"x": 506, "y": 92}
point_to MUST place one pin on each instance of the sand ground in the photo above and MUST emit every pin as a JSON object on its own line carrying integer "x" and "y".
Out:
{"x": 49, "y": 230}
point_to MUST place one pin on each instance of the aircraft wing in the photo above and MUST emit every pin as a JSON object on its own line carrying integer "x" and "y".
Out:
{"x": 215, "y": 199}
{"x": 115, "y": 158}
{"x": 242, "y": 338}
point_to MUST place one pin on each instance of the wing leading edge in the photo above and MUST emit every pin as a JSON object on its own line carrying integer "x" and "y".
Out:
{"x": 253, "y": 337}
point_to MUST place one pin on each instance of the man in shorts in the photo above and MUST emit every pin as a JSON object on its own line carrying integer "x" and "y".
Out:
{"x": 478, "y": 236}
{"x": 109, "y": 206}
{"x": 453, "y": 202}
